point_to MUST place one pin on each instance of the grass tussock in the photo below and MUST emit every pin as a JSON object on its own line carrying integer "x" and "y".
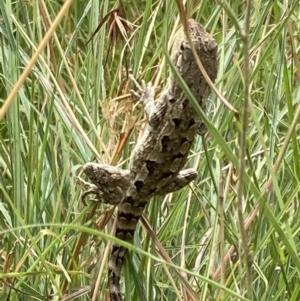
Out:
{"x": 232, "y": 235}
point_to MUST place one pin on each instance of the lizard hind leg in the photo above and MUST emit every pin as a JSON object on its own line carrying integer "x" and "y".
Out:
{"x": 109, "y": 183}
{"x": 183, "y": 178}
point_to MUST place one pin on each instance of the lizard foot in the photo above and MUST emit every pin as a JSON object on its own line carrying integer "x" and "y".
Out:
{"x": 145, "y": 94}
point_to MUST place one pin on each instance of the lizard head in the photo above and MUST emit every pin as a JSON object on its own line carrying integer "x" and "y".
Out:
{"x": 184, "y": 60}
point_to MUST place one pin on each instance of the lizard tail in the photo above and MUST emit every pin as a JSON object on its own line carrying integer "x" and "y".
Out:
{"x": 114, "y": 272}
{"x": 126, "y": 225}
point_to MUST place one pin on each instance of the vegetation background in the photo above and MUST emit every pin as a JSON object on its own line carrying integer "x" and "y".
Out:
{"x": 232, "y": 235}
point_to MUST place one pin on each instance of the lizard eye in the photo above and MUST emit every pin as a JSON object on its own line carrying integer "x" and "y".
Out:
{"x": 182, "y": 46}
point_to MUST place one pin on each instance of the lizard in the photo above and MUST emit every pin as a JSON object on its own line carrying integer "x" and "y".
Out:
{"x": 157, "y": 160}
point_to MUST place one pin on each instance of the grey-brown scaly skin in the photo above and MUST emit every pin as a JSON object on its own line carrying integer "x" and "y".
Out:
{"x": 156, "y": 164}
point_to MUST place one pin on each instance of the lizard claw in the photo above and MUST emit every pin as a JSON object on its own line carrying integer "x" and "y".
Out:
{"x": 93, "y": 190}
{"x": 134, "y": 93}
{"x": 131, "y": 77}
{"x": 145, "y": 91}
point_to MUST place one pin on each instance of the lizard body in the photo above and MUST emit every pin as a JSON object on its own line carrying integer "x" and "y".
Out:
{"x": 156, "y": 164}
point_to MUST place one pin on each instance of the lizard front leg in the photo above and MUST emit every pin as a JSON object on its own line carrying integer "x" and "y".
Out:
{"x": 154, "y": 111}
{"x": 109, "y": 182}
{"x": 183, "y": 178}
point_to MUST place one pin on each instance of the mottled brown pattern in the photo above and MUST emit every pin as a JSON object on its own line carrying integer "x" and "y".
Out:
{"x": 159, "y": 156}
